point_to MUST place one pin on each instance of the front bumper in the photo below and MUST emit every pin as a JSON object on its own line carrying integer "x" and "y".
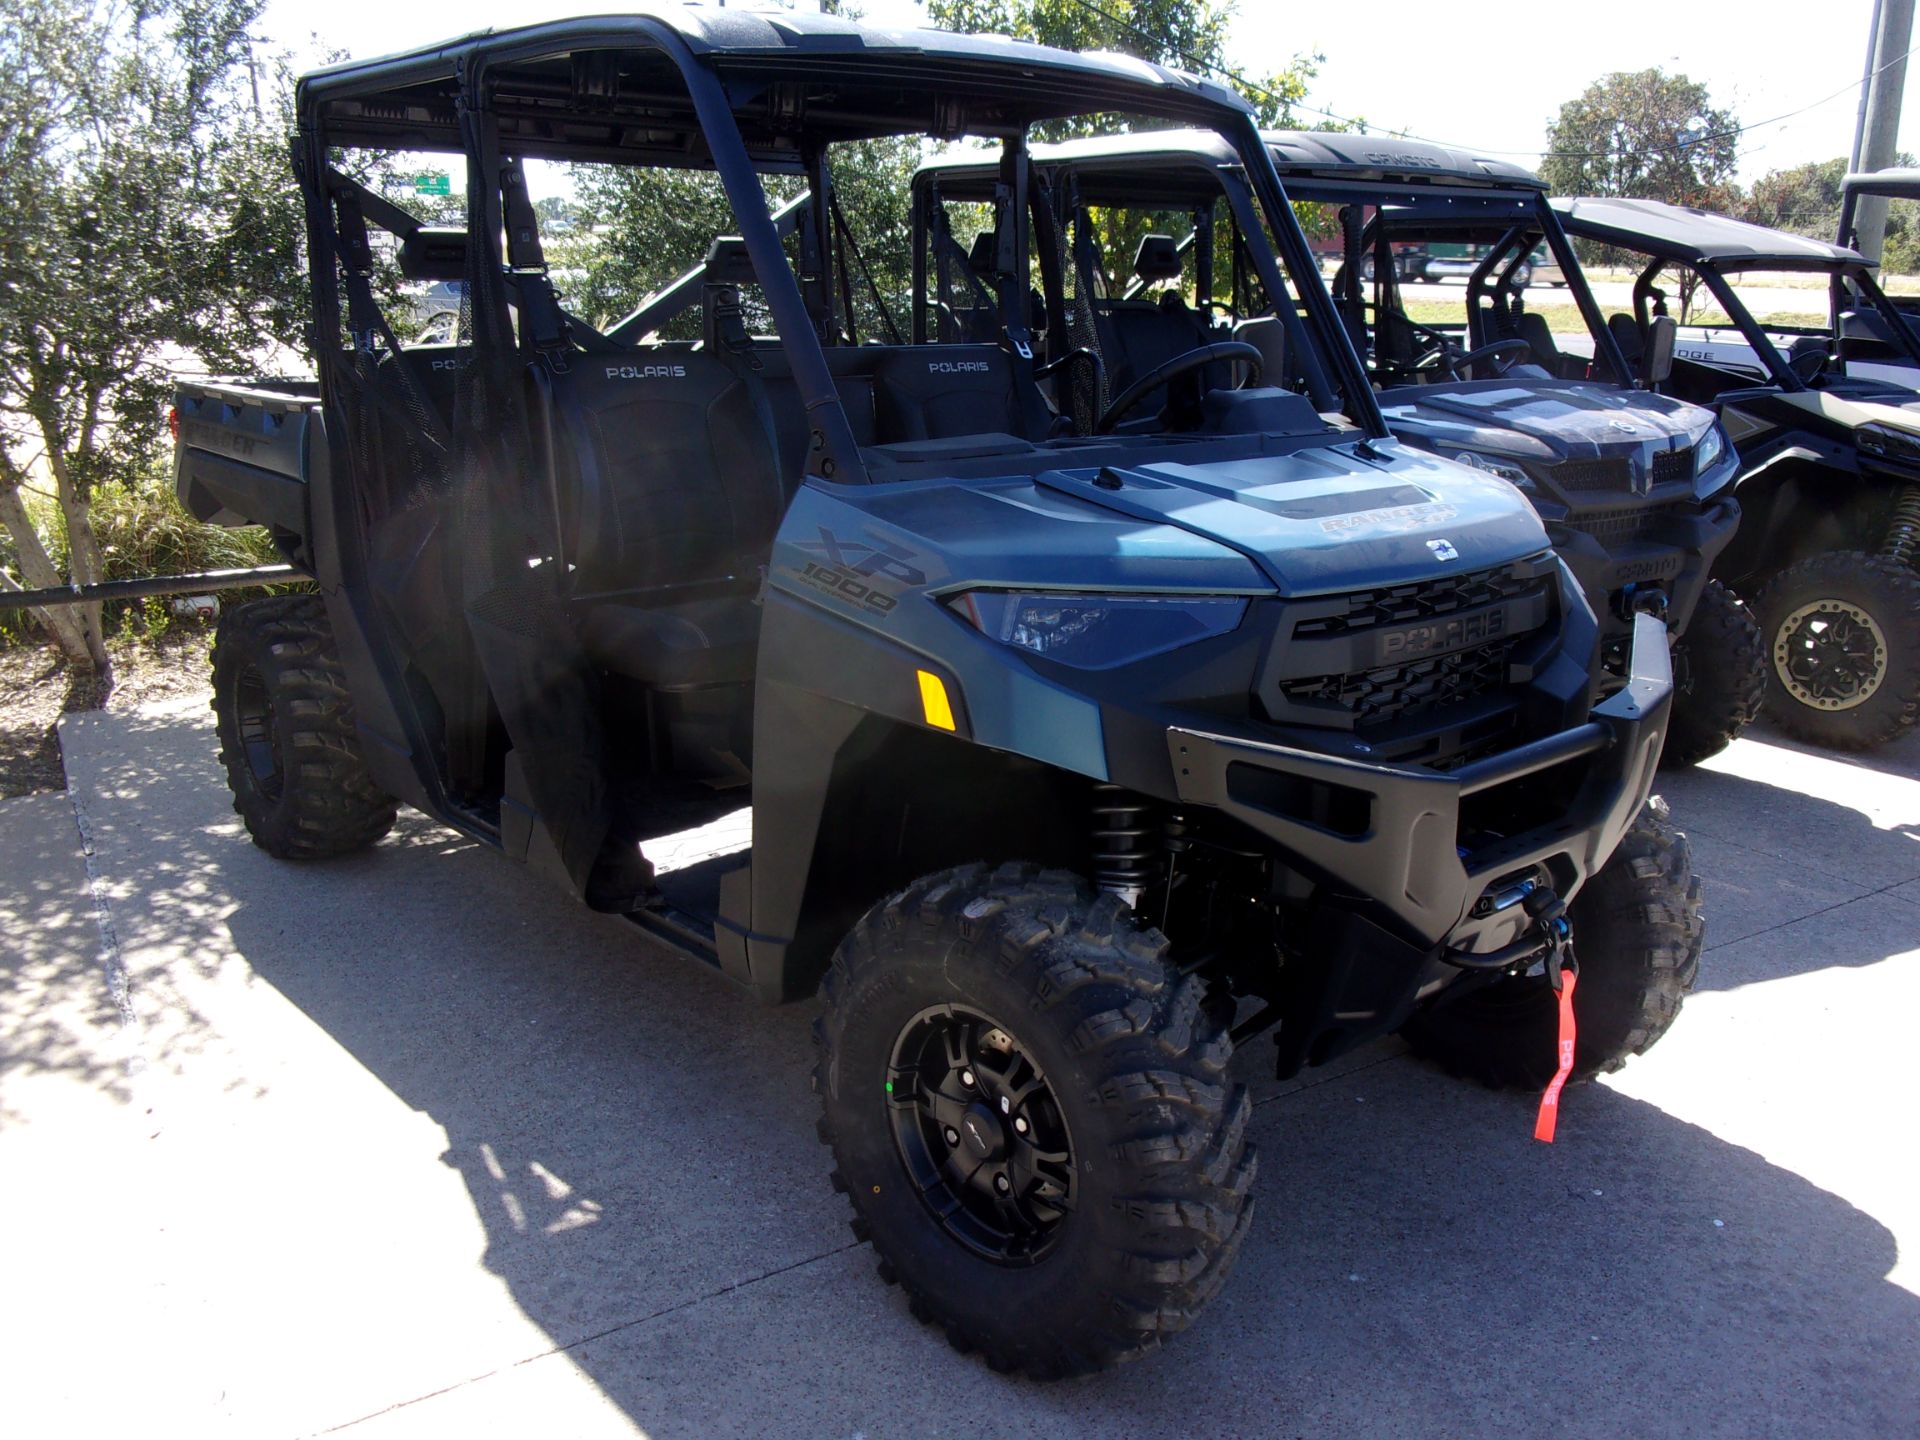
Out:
{"x": 1675, "y": 554}
{"x": 1391, "y": 839}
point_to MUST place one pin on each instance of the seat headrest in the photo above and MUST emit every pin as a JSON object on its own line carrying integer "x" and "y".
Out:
{"x": 1157, "y": 259}
{"x": 728, "y": 262}
{"x": 434, "y": 252}
{"x": 985, "y": 253}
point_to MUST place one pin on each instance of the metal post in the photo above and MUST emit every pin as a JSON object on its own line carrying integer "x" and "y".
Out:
{"x": 1880, "y": 138}
{"x": 1866, "y": 84}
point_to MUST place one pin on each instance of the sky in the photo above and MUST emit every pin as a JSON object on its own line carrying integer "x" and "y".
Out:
{"x": 1483, "y": 77}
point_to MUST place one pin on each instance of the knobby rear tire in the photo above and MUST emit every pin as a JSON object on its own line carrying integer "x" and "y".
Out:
{"x": 285, "y": 724}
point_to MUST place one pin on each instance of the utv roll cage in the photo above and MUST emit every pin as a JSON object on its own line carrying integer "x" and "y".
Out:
{"x": 739, "y": 93}
{"x": 1720, "y": 249}
{"x": 1894, "y": 183}
{"x": 1447, "y": 195}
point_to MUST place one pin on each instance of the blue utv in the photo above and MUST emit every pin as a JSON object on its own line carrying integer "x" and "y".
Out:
{"x": 1076, "y": 753}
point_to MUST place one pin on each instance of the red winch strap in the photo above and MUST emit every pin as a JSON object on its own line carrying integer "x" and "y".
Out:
{"x": 1550, "y": 1102}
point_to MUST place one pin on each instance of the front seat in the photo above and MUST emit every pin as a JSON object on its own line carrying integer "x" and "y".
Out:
{"x": 1626, "y": 334}
{"x": 676, "y": 486}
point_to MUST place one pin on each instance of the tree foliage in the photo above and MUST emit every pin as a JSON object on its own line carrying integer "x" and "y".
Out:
{"x": 1805, "y": 200}
{"x": 632, "y": 229}
{"x": 1645, "y": 134}
{"x": 1184, "y": 34}
{"x": 145, "y": 223}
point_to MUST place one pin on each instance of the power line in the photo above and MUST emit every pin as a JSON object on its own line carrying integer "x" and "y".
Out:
{"x": 1166, "y": 46}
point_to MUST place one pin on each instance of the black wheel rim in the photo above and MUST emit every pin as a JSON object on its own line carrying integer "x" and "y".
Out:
{"x": 1830, "y": 655}
{"x": 981, "y": 1134}
{"x": 259, "y": 736}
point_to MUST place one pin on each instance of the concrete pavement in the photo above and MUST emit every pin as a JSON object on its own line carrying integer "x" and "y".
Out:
{"x": 408, "y": 1145}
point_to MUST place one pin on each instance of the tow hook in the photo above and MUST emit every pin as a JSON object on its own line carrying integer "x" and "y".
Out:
{"x": 1636, "y": 599}
{"x": 1551, "y": 934}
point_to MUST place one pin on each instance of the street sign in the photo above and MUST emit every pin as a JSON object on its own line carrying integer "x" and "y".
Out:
{"x": 425, "y": 184}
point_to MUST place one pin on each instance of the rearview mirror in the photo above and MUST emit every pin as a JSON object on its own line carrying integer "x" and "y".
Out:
{"x": 1656, "y": 361}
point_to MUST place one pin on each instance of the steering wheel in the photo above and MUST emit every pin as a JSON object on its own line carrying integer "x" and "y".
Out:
{"x": 1511, "y": 351}
{"x": 1447, "y": 354}
{"x": 1197, "y": 358}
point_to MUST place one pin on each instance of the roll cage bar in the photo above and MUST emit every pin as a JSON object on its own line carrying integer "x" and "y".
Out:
{"x": 1649, "y": 301}
{"x": 1145, "y": 171}
{"x": 1249, "y": 191}
{"x": 1441, "y": 206}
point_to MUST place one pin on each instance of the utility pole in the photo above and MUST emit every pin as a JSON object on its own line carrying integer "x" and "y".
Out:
{"x": 1878, "y": 140}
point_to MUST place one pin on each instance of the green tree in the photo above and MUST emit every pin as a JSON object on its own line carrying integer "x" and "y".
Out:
{"x": 145, "y": 221}
{"x": 1805, "y": 199}
{"x": 1185, "y": 34}
{"x": 1645, "y": 134}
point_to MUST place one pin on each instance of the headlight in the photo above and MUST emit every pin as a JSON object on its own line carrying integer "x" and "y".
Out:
{"x": 1889, "y": 444}
{"x": 1711, "y": 447}
{"x": 1096, "y": 632}
{"x": 1505, "y": 469}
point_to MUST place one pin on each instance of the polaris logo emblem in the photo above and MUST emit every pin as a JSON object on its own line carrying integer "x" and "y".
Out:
{"x": 646, "y": 372}
{"x": 1623, "y": 427}
{"x": 1443, "y": 550}
{"x": 1443, "y": 636}
{"x": 958, "y": 367}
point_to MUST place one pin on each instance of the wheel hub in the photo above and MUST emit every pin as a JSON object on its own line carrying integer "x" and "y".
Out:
{"x": 980, "y": 1133}
{"x": 983, "y": 1134}
{"x": 1830, "y": 655}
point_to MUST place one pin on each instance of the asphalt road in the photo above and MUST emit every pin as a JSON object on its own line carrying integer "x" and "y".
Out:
{"x": 407, "y": 1145}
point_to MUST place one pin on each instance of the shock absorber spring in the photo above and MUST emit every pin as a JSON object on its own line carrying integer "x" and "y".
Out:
{"x": 1124, "y": 853}
{"x": 1903, "y": 534}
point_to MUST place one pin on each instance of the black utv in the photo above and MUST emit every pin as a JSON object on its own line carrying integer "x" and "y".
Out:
{"x": 1635, "y": 488}
{"x": 1075, "y": 757}
{"x": 1829, "y": 451}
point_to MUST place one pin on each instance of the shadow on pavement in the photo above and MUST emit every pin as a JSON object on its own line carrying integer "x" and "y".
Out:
{"x": 637, "y": 1139}
{"x": 635, "y": 1135}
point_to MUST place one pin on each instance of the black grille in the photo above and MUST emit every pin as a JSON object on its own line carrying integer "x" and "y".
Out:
{"x": 1400, "y": 604}
{"x": 1410, "y": 689}
{"x": 1672, "y": 465}
{"x": 1588, "y": 475}
{"x": 1621, "y": 527}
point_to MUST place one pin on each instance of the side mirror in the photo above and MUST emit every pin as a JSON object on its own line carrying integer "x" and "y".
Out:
{"x": 1656, "y": 361}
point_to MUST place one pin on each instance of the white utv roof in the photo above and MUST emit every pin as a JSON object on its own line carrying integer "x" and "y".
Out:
{"x": 1696, "y": 237}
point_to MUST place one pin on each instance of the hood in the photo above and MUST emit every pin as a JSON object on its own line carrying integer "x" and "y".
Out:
{"x": 1545, "y": 421}
{"x": 1353, "y": 516}
{"x": 1854, "y": 402}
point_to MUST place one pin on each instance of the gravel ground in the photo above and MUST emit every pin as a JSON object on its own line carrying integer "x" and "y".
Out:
{"x": 37, "y": 685}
